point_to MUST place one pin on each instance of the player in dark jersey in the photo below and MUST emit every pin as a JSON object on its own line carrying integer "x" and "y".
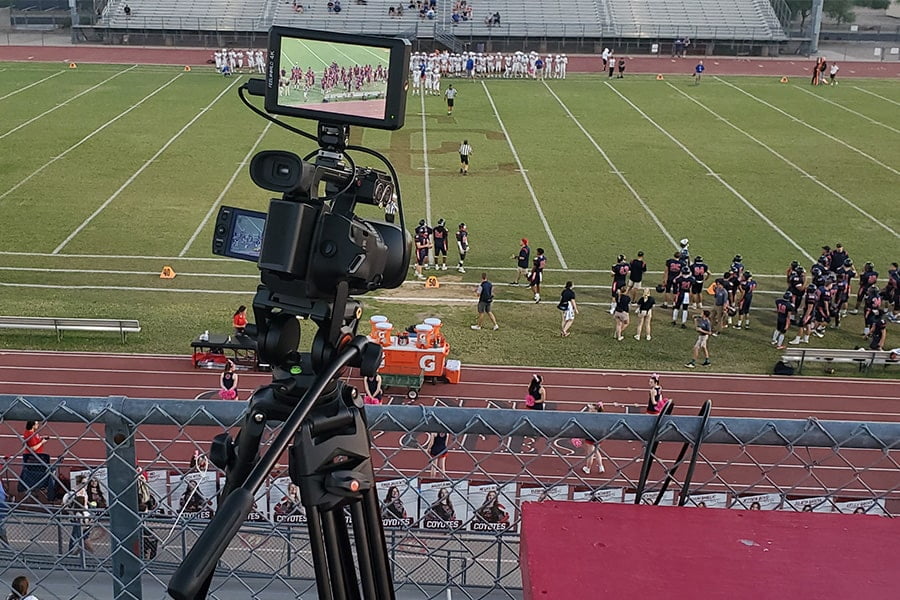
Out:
{"x": 537, "y": 274}
{"x": 462, "y": 244}
{"x": 423, "y": 243}
{"x": 842, "y": 281}
{"x": 872, "y": 308}
{"x": 636, "y": 270}
{"x": 867, "y": 279}
{"x": 683, "y": 284}
{"x": 892, "y": 293}
{"x": 824, "y": 307}
{"x": 522, "y": 260}
{"x": 797, "y": 284}
{"x": 878, "y": 331}
{"x": 620, "y": 272}
{"x": 825, "y": 258}
{"x": 807, "y": 313}
{"x": 747, "y": 287}
{"x": 737, "y": 267}
{"x": 673, "y": 270}
{"x": 440, "y": 235}
{"x": 700, "y": 271}
{"x": 784, "y": 309}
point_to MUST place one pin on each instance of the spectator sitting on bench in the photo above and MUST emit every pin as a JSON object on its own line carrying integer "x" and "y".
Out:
{"x": 239, "y": 320}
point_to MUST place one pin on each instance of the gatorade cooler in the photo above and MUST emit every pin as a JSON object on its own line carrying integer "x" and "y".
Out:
{"x": 375, "y": 320}
{"x": 383, "y": 333}
{"x": 423, "y": 335}
{"x": 435, "y": 329}
{"x": 453, "y": 371}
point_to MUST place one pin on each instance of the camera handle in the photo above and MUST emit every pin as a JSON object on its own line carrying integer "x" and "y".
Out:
{"x": 330, "y": 462}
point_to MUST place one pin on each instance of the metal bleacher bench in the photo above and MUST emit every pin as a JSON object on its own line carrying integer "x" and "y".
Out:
{"x": 863, "y": 358}
{"x": 123, "y": 326}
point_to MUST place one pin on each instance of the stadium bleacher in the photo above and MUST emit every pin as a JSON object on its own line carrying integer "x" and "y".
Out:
{"x": 699, "y": 19}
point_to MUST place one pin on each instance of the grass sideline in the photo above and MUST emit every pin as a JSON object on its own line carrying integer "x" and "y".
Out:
{"x": 108, "y": 172}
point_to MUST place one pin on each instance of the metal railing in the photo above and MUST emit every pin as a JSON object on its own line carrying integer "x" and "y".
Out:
{"x": 113, "y": 547}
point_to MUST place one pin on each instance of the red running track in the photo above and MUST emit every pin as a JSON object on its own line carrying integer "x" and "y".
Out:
{"x": 774, "y": 67}
{"x": 142, "y": 376}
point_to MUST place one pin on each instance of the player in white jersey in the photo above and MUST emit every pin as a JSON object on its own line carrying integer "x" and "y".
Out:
{"x": 436, "y": 83}
{"x": 548, "y": 66}
{"x": 239, "y": 56}
{"x": 563, "y": 61}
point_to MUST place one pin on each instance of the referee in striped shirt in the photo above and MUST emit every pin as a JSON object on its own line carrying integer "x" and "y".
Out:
{"x": 464, "y": 151}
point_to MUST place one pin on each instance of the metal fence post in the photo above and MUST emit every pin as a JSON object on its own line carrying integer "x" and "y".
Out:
{"x": 124, "y": 522}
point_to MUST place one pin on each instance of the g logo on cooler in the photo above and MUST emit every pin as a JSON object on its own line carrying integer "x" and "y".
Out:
{"x": 427, "y": 362}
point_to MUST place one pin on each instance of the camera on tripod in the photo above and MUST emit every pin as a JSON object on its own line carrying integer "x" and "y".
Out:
{"x": 314, "y": 254}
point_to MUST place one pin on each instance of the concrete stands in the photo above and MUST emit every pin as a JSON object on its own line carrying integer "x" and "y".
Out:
{"x": 697, "y": 19}
{"x": 707, "y": 19}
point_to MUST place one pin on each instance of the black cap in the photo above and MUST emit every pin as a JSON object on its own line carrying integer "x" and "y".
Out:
{"x": 640, "y": 253}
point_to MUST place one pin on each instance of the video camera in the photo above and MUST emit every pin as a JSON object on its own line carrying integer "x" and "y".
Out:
{"x": 314, "y": 253}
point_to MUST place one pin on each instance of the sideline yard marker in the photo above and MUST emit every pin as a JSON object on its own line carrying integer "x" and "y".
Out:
{"x": 784, "y": 80}
{"x": 659, "y": 77}
{"x": 187, "y": 67}
{"x": 73, "y": 65}
{"x": 167, "y": 273}
{"x": 432, "y": 283}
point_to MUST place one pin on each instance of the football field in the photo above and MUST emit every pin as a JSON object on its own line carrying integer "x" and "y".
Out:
{"x": 110, "y": 172}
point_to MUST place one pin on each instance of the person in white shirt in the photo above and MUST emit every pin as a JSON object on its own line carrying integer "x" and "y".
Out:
{"x": 832, "y": 75}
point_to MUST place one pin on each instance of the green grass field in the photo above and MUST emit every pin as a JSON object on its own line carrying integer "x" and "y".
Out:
{"x": 109, "y": 172}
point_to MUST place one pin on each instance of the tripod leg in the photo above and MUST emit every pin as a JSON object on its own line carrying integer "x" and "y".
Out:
{"x": 361, "y": 527}
{"x": 351, "y": 585}
{"x": 384, "y": 584}
{"x": 333, "y": 553}
{"x": 320, "y": 560}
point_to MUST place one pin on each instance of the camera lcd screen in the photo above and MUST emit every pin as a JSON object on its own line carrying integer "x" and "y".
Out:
{"x": 245, "y": 234}
{"x": 342, "y": 78}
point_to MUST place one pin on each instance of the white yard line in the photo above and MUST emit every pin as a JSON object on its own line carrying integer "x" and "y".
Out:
{"x": 61, "y": 104}
{"x": 615, "y": 169}
{"x": 231, "y": 260}
{"x": 537, "y": 204}
{"x": 188, "y": 274}
{"x": 717, "y": 177}
{"x": 849, "y": 110}
{"x": 786, "y": 160}
{"x": 865, "y": 91}
{"x": 127, "y": 272}
{"x": 89, "y": 136}
{"x": 425, "y": 164}
{"x": 227, "y": 187}
{"x": 135, "y": 175}
{"x": 30, "y": 85}
{"x": 807, "y": 125}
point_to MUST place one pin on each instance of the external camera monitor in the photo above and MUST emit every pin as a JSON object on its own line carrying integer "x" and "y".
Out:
{"x": 239, "y": 233}
{"x": 337, "y": 77}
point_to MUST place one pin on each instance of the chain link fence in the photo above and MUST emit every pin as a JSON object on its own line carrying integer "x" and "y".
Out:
{"x": 121, "y": 488}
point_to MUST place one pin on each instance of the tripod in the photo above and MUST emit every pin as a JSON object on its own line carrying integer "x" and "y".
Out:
{"x": 330, "y": 459}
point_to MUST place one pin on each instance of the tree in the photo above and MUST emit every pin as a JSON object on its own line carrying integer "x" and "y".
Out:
{"x": 802, "y": 8}
{"x": 840, "y": 10}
